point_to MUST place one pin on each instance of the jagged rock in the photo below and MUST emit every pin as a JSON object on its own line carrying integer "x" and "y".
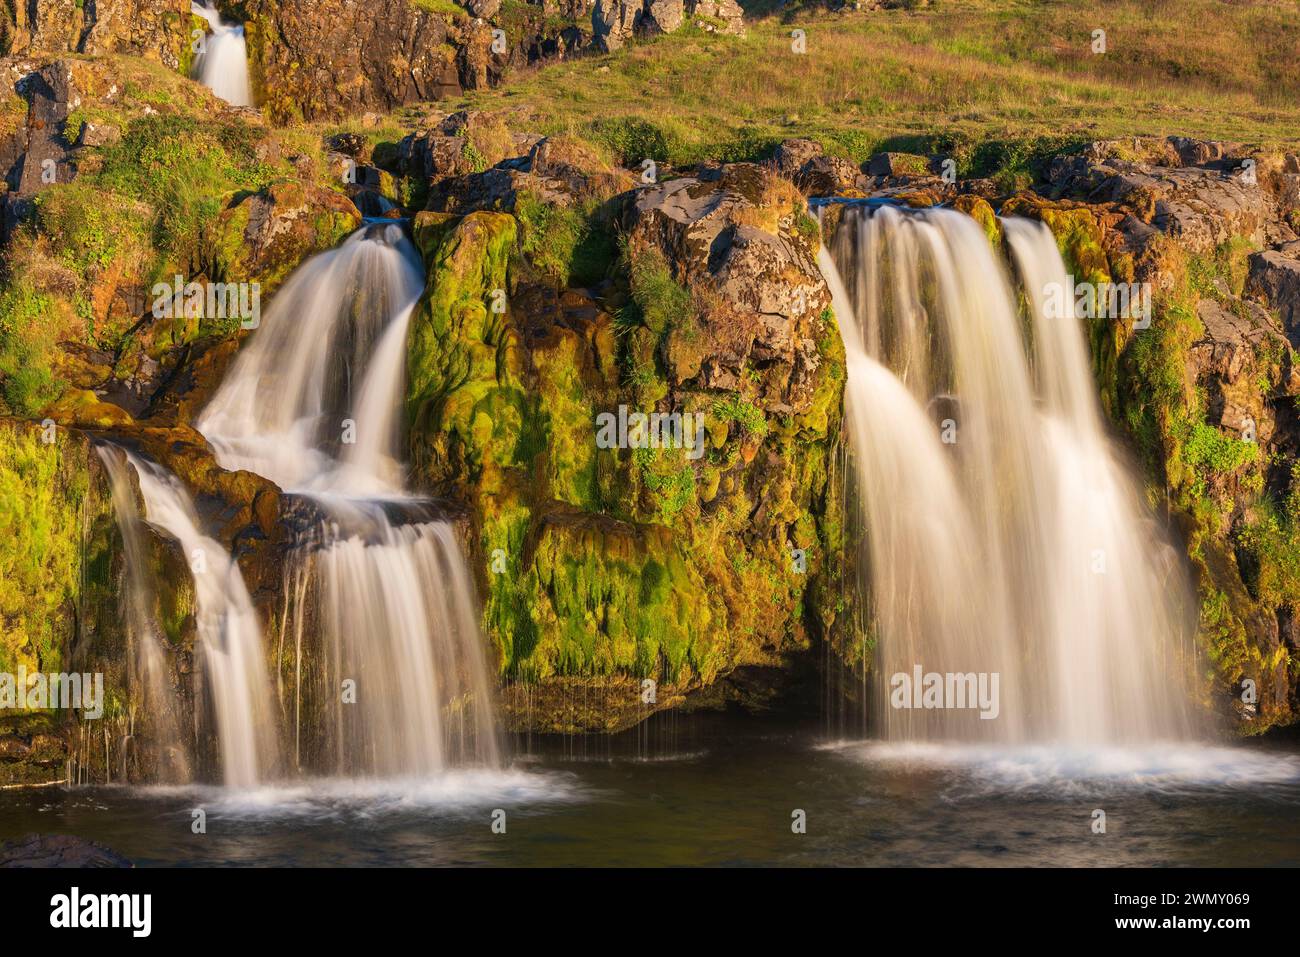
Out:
{"x": 614, "y": 21}
{"x": 735, "y": 234}
{"x": 1229, "y": 344}
{"x": 817, "y": 174}
{"x": 487, "y": 9}
{"x": 1200, "y": 206}
{"x": 264, "y": 236}
{"x": 1275, "y": 279}
{"x": 391, "y": 53}
{"x": 58, "y": 850}
{"x": 154, "y": 29}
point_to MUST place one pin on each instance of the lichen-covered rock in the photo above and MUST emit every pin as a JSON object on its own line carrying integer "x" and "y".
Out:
{"x": 745, "y": 235}
{"x": 374, "y": 56}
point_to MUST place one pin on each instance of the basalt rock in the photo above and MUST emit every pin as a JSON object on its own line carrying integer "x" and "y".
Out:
{"x": 157, "y": 30}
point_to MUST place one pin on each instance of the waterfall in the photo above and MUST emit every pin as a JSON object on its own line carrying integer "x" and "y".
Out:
{"x": 312, "y": 403}
{"x": 153, "y": 697}
{"x": 229, "y": 639}
{"x": 222, "y": 64}
{"x": 1004, "y": 533}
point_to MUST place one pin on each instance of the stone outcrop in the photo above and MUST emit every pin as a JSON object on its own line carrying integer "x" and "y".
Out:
{"x": 1274, "y": 278}
{"x": 156, "y": 30}
{"x": 615, "y": 22}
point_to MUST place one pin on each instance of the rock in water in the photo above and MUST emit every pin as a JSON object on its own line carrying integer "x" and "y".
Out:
{"x": 58, "y": 850}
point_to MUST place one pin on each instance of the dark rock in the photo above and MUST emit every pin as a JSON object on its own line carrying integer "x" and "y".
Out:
{"x": 58, "y": 850}
{"x": 1274, "y": 278}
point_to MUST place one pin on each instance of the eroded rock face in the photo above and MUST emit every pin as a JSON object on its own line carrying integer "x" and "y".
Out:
{"x": 373, "y": 56}
{"x": 1275, "y": 279}
{"x": 1198, "y": 194}
{"x": 157, "y": 30}
{"x": 504, "y": 406}
{"x": 723, "y": 232}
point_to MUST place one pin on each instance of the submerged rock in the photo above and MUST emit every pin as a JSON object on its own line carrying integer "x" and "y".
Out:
{"x": 58, "y": 850}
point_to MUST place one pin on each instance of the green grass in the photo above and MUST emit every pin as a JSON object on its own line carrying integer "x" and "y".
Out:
{"x": 954, "y": 76}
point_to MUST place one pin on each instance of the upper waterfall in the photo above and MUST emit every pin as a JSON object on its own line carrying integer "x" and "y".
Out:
{"x": 1005, "y": 535}
{"x": 222, "y": 62}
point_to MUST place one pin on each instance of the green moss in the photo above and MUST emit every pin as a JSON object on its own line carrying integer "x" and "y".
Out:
{"x": 41, "y": 495}
{"x": 564, "y": 243}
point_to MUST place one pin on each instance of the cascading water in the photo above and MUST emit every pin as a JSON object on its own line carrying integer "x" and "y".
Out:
{"x": 222, "y": 63}
{"x": 1003, "y": 534}
{"x": 229, "y": 637}
{"x": 153, "y": 698}
{"x": 312, "y": 404}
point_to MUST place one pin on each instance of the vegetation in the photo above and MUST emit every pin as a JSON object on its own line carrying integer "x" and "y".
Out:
{"x": 997, "y": 85}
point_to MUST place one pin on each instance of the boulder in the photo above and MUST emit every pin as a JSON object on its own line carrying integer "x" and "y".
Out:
{"x": 1274, "y": 279}
{"x": 736, "y": 234}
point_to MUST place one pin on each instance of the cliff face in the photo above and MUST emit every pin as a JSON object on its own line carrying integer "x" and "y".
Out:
{"x": 620, "y": 576}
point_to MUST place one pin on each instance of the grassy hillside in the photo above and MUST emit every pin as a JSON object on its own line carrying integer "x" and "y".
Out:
{"x": 945, "y": 76}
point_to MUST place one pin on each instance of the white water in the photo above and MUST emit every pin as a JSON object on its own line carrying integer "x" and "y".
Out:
{"x": 312, "y": 404}
{"x": 222, "y": 65}
{"x": 229, "y": 637}
{"x": 1022, "y": 548}
{"x": 153, "y": 699}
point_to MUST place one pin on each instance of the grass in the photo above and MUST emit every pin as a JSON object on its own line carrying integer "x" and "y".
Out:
{"x": 954, "y": 74}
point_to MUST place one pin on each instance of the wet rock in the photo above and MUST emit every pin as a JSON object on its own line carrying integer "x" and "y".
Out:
{"x": 58, "y": 850}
